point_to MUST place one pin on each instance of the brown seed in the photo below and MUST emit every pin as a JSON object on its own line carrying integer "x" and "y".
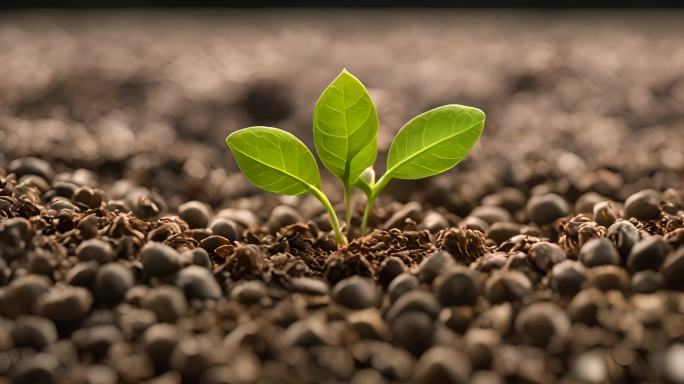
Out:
{"x": 673, "y": 269}
{"x": 539, "y": 323}
{"x": 195, "y": 213}
{"x": 456, "y": 287}
{"x": 545, "y": 209}
{"x": 643, "y": 205}
{"x": 609, "y": 277}
{"x": 355, "y": 292}
{"x": 648, "y": 253}
{"x": 597, "y": 252}
{"x": 507, "y": 286}
{"x": 605, "y": 213}
{"x": 442, "y": 364}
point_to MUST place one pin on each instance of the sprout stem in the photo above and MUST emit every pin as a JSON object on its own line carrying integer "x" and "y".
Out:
{"x": 341, "y": 239}
{"x": 347, "y": 207}
{"x": 375, "y": 189}
{"x": 366, "y": 214}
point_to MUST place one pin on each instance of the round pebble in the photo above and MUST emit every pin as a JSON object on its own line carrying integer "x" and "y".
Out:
{"x": 41, "y": 263}
{"x": 442, "y": 364}
{"x": 160, "y": 260}
{"x": 305, "y": 333}
{"x": 31, "y": 166}
{"x": 88, "y": 197}
{"x": 434, "y": 222}
{"x": 355, "y": 292}
{"x": 97, "y": 340}
{"x": 597, "y": 252}
{"x": 410, "y": 211}
{"x": 605, "y": 213}
{"x": 95, "y": 250}
{"x": 585, "y": 306}
{"x": 22, "y": 295}
{"x": 586, "y": 202}
{"x": 647, "y": 281}
{"x": 192, "y": 357}
{"x": 65, "y": 304}
{"x": 88, "y": 227}
{"x": 43, "y": 368}
{"x": 198, "y": 283}
{"x": 112, "y": 281}
{"x": 282, "y": 216}
{"x": 672, "y": 363}
{"x": 502, "y": 231}
{"x": 540, "y": 322}
{"x": 624, "y": 236}
{"x": 433, "y": 265}
{"x": 414, "y": 301}
{"x": 510, "y": 198}
{"x": 457, "y": 318}
{"x": 159, "y": 342}
{"x": 546, "y": 255}
{"x": 474, "y": 223}
{"x": 225, "y": 228}
{"x": 243, "y": 217}
{"x": 211, "y": 243}
{"x": 648, "y": 253}
{"x": 389, "y": 269}
{"x": 34, "y": 332}
{"x": 405, "y": 282}
{"x": 82, "y": 274}
{"x": 309, "y": 286}
{"x": 368, "y": 324}
{"x": 368, "y": 376}
{"x": 414, "y": 331}
{"x": 609, "y": 277}
{"x": 480, "y": 346}
{"x": 249, "y": 292}
{"x": 456, "y": 287}
{"x": 167, "y": 302}
{"x": 507, "y": 286}
{"x": 491, "y": 214}
{"x": 643, "y": 205}
{"x": 195, "y": 213}
{"x": 545, "y": 209}
{"x": 567, "y": 277}
{"x": 198, "y": 256}
{"x": 673, "y": 269}
{"x": 591, "y": 367}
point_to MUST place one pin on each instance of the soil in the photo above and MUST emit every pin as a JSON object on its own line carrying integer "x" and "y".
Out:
{"x": 131, "y": 250}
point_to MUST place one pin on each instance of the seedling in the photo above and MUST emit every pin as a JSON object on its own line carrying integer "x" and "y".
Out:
{"x": 345, "y": 129}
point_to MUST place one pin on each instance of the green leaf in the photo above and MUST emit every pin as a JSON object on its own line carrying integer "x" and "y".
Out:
{"x": 434, "y": 141}
{"x": 345, "y": 128}
{"x": 274, "y": 160}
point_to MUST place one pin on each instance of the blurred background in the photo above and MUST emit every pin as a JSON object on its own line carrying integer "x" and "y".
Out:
{"x": 577, "y": 100}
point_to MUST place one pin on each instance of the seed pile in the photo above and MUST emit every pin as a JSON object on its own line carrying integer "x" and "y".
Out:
{"x": 98, "y": 289}
{"x": 130, "y": 252}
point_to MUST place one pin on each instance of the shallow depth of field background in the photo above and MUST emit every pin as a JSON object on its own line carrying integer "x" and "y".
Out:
{"x": 150, "y": 95}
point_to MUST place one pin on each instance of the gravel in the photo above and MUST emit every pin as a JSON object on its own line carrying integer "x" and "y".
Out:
{"x": 131, "y": 251}
{"x": 160, "y": 260}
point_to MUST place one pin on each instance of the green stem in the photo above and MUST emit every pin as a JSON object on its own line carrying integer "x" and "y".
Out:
{"x": 341, "y": 239}
{"x": 347, "y": 206}
{"x": 366, "y": 214}
{"x": 375, "y": 189}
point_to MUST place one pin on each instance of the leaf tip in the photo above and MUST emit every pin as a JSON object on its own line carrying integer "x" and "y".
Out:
{"x": 346, "y": 74}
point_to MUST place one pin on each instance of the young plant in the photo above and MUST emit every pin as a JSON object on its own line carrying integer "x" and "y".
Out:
{"x": 345, "y": 128}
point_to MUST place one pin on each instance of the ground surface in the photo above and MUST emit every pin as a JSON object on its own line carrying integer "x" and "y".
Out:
{"x": 552, "y": 254}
